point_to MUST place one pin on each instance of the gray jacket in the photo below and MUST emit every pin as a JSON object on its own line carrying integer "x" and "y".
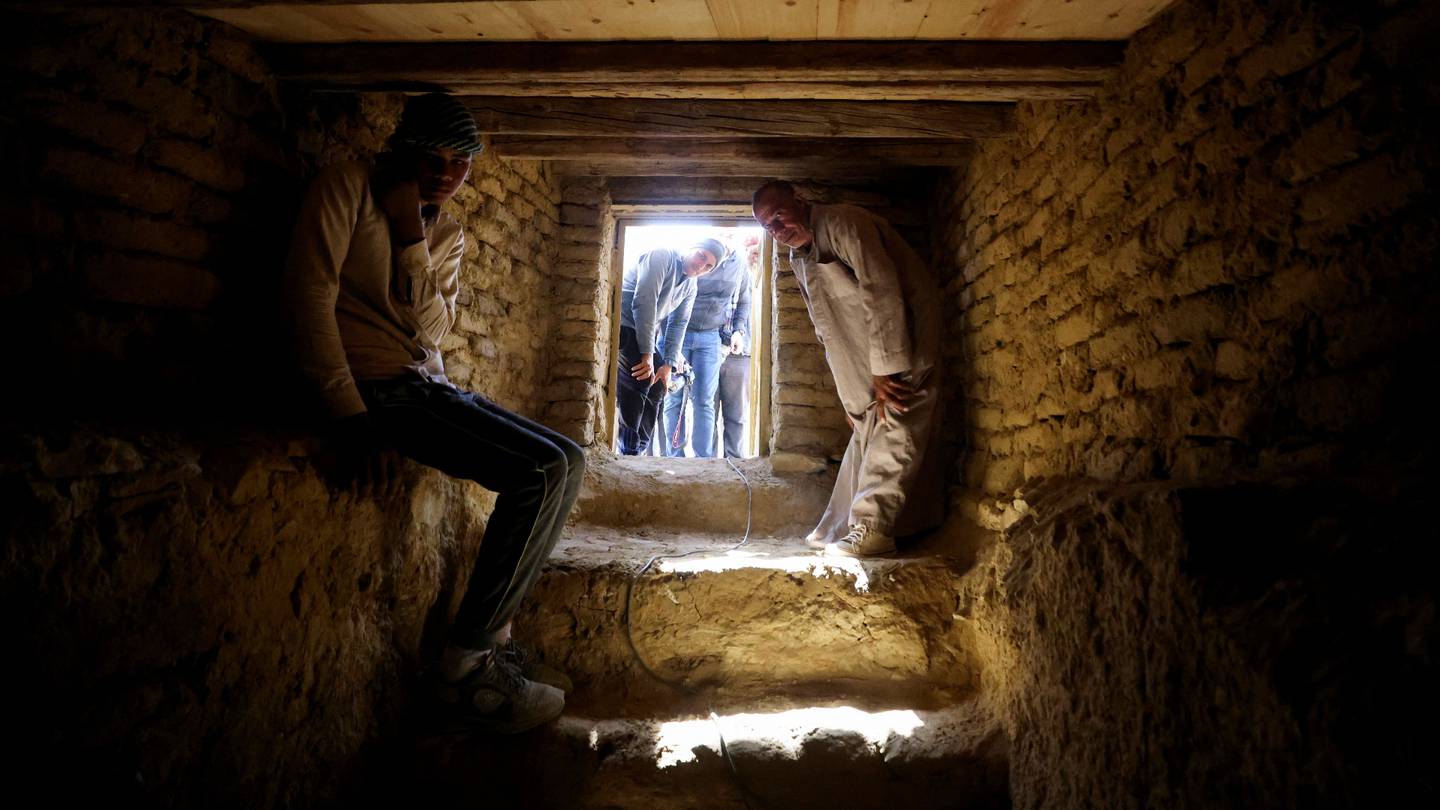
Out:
{"x": 715, "y": 295}
{"x": 656, "y": 290}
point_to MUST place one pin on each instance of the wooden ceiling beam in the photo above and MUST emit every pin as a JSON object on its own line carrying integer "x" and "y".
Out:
{"x": 453, "y": 65}
{"x": 663, "y": 118}
{"x": 754, "y": 91}
{"x": 792, "y": 169}
{"x": 742, "y": 152}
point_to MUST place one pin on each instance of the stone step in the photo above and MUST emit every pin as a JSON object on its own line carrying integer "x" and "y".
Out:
{"x": 698, "y": 494}
{"x": 787, "y": 754}
{"x": 770, "y": 615}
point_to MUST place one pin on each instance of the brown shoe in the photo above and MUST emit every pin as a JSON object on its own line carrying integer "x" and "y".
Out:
{"x": 862, "y": 541}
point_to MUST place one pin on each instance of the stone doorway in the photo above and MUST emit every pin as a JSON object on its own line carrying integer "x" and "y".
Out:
{"x": 638, "y": 233}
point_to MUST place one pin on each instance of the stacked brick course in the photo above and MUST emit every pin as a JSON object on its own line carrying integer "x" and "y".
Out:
{"x": 1208, "y": 271}
{"x": 578, "y": 353}
{"x": 1211, "y": 288}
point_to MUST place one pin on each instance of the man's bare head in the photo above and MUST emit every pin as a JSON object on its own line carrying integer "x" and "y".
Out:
{"x": 783, "y": 214}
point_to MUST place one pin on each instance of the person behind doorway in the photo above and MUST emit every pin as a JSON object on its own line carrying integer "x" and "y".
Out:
{"x": 657, "y": 291}
{"x": 705, "y": 350}
{"x": 876, "y": 311}
{"x": 732, "y": 394}
{"x": 371, "y": 282}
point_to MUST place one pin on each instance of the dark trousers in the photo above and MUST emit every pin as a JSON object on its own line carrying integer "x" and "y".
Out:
{"x": 637, "y": 402}
{"x": 536, "y": 472}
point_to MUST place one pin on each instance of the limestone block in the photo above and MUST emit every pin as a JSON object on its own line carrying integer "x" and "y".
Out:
{"x": 796, "y": 463}
{"x": 128, "y": 184}
{"x": 151, "y": 282}
{"x": 1168, "y": 369}
{"x": 117, "y": 131}
{"x": 562, "y": 390}
{"x": 811, "y": 397}
{"x": 129, "y": 231}
{"x": 569, "y": 412}
{"x": 571, "y": 214}
{"x": 1074, "y": 328}
{"x": 1193, "y": 320}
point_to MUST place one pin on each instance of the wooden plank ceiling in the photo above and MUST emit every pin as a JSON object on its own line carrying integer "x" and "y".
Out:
{"x": 800, "y": 88}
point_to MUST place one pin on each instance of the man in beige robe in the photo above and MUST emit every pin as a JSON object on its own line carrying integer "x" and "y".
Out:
{"x": 876, "y": 310}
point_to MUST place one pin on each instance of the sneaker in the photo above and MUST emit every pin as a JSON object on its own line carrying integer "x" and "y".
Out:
{"x": 862, "y": 541}
{"x": 496, "y": 697}
{"x": 816, "y": 540}
{"x": 533, "y": 668}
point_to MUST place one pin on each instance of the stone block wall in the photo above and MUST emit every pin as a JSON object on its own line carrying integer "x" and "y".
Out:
{"x": 1206, "y": 295}
{"x": 197, "y": 616}
{"x": 138, "y": 161}
{"x": 805, "y": 413}
{"x": 578, "y": 353}
{"x": 1219, "y": 267}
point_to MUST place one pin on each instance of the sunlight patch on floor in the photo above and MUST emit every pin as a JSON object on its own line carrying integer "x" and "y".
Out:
{"x": 677, "y": 741}
{"x": 813, "y": 564}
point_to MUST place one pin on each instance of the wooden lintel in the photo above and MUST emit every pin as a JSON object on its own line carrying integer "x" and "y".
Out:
{"x": 793, "y": 169}
{"x": 824, "y": 91}
{"x": 668, "y": 190}
{"x": 743, "y": 62}
{"x": 742, "y": 152}
{"x": 664, "y": 118}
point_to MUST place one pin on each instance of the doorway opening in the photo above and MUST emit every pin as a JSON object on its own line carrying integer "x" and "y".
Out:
{"x": 726, "y": 361}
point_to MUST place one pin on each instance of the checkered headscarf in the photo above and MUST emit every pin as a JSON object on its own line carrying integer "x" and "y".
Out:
{"x": 437, "y": 121}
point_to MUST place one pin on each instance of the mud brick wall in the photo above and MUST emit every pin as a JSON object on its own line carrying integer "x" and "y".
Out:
{"x": 1210, "y": 289}
{"x": 137, "y": 157}
{"x": 195, "y": 615}
{"x": 1220, "y": 267}
{"x": 577, "y": 356}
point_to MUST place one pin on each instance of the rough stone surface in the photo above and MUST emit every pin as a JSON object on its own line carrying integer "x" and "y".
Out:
{"x": 1242, "y": 646}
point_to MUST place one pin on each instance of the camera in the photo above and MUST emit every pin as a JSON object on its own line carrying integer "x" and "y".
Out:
{"x": 680, "y": 379}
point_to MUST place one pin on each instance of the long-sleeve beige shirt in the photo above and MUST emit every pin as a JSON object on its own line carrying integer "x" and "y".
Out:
{"x": 875, "y": 305}
{"x": 361, "y": 309}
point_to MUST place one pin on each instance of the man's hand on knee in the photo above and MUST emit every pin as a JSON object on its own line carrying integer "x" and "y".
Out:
{"x": 363, "y": 463}
{"x": 892, "y": 392}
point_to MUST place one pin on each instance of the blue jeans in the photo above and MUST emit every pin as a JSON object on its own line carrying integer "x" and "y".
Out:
{"x": 536, "y": 472}
{"x": 702, "y": 352}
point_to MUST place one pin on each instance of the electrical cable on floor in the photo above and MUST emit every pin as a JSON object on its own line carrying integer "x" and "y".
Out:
{"x": 680, "y": 686}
